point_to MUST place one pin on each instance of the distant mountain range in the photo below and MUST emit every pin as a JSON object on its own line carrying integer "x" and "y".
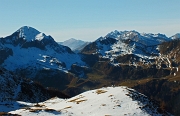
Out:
{"x": 126, "y": 42}
{"x": 146, "y": 62}
{"x": 74, "y": 44}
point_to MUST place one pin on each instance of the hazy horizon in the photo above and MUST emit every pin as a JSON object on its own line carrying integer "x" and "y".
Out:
{"x": 88, "y": 20}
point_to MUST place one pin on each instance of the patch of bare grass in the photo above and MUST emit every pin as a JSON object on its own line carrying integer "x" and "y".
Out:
{"x": 40, "y": 109}
{"x": 100, "y": 91}
{"x": 35, "y": 110}
{"x": 74, "y": 100}
{"x": 79, "y": 101}
{"x": 68, "y": 107}
{"x": 8, "y": 114}
{"x": 49, "y": 110}
{"x": 103, "y": 104}
{"x": 111, "y": 95}
{"x": 39, "y": 105}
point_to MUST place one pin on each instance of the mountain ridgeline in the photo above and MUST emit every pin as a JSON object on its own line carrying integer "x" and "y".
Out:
{"x": 147, "y": 62}
{"x": 74, "y": 44}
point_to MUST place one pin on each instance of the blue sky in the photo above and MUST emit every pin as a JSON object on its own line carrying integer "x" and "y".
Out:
{"x": 89, "y": 19}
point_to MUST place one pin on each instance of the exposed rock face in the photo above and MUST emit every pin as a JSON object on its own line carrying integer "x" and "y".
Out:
{"x": 5, "y": 53}
{"x": 15, "y": 88}
{"x": 165, "y": 91}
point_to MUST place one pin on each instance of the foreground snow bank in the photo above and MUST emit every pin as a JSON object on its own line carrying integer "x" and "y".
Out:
{"x": 110, "y": 101}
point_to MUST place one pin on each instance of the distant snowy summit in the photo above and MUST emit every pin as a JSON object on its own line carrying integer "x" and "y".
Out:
{"x": 74, "y": 44}
{"x": 143, "y": 38}
{"x": 28, "y": 37}
{"x": 30, "y": 34}
{"x": 176, "y": 36}
{"x": 118, "y": 43}
{"x": 110, "y": 101}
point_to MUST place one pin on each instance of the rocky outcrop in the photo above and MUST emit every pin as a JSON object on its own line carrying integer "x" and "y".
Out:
{"x": 15, "y": 88}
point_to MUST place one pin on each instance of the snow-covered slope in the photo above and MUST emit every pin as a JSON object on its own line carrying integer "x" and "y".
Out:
{"x": 29, "y": 48}
{"x": 73, "y": 43}
{"x": 110, "y": 101}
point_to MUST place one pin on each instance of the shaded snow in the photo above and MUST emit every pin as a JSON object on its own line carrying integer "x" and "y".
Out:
{"x": 45, "y": 58}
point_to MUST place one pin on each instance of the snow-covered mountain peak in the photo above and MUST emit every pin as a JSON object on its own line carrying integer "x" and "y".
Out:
{"x": 150, "y": 35}
{"x": 113, "y": 34}
{"x": 129, "y": 34}
{"x": 123, "y": 35}
{"x": 176, "y": 36}
{"x": 30, "y": 33}
{"x": 72, "y": 39}
{"x": 143, "y": 38}
{"x": 118, "y": 43}
{"x": 100, "y": 39}
{"x": 27, "y": 28}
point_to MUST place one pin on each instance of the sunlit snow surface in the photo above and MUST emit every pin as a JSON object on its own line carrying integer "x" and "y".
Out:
{"x": 111, "y": 101}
